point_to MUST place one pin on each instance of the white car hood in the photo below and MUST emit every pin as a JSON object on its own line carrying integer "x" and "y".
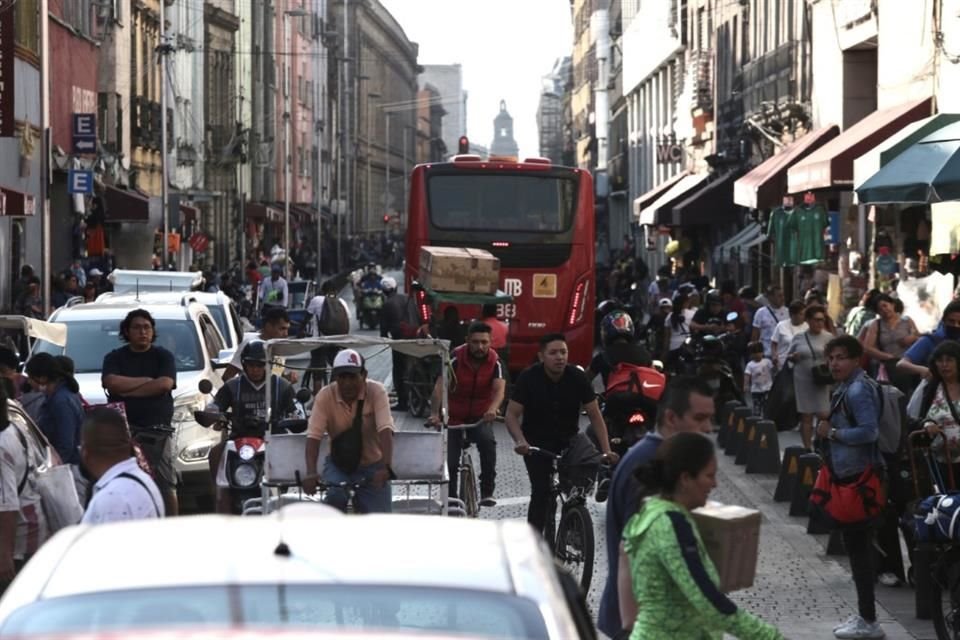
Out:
{"x": 92, "y": 390}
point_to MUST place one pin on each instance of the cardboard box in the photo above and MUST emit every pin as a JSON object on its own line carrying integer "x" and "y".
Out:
{"x": 459, "y": 269}
{"x": 732, "y": 537}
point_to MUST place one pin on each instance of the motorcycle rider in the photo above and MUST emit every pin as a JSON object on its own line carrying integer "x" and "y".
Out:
{"x": 371, "y": 279}
{"x": 710, "y": 318}
{"x": 618, "y": 344}
{"x": 245, "y": 398}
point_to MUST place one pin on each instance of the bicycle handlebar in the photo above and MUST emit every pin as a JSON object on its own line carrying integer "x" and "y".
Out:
{"x": 543, "y": 452}
{"x": 462, "y": 427}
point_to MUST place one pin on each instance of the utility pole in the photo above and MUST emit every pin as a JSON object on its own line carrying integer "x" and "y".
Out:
{"x": 319, "y": 107}
{"x": 347, "y": 118}
{"x": 287, "y": 178}
{"x": 162, "y": 50}
{"x": 46, "y": 258}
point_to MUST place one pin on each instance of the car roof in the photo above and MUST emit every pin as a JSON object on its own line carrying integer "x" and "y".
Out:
{"x": 150, "y": 297}
{"x": 408, "y": 550}
{"x": 118, "y": 309}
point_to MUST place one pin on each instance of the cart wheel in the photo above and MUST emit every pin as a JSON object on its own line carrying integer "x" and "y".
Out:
{"x": 417, "y": 404}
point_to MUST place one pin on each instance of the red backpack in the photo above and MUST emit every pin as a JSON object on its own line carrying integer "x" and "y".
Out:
{"x": 632, "y": 378}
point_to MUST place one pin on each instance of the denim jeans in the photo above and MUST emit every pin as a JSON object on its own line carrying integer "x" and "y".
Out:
{"x": 367, "y": 499}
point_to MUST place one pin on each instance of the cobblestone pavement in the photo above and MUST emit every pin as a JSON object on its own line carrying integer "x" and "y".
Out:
{"x": 798, "y": 587}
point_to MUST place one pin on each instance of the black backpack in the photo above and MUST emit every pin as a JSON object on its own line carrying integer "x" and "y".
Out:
{"x": 333, "y": 319}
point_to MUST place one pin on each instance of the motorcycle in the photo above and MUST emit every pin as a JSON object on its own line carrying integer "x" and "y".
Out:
{"x": 246, "y": 447}
{"x": 710, "y": 358}
{"x": 629, "y": 415}
{"x": 370, "y": 307}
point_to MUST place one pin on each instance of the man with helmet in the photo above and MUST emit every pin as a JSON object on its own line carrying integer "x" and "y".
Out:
{"x": 710, "y": 318}
{"x": 371, "y": 279}
{"x": 617, "y": 344}
{"x": 245, "y": 397}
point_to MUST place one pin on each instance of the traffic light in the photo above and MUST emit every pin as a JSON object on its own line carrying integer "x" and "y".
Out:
{"x": 386, "y": 218}
{"x": 463, "y": 145}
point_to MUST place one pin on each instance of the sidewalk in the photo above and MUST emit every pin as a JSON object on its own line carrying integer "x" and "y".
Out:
{"x": 799, "y": 588}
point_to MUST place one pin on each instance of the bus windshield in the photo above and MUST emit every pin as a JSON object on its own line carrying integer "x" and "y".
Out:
{"x": 501, "y": 202}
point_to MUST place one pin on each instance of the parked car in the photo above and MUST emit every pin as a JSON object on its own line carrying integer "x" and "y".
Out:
{"x": 187, "y": 330}
{"x": 401, "y": 573}
{"x": 141, "y": 281}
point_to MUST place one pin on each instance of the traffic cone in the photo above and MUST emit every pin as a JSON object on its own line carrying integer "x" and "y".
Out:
{"x": 788, "y": 474}
{"x": 807, "y": 467}
{"x": 745, "y": 450}
{"x": 735, "y": 435}
{"x": 765, "y": 455}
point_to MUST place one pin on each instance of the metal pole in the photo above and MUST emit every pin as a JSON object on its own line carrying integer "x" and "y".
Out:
{"x": 319, "y": 107}
{"x": 403, "y": 205}
{"x": 347, "y": 119}
{"x": 46, "y": 258}
{"x": 164, "y": 177}
{"x": 287, "y": 178}
{"x": 386, "y": 166}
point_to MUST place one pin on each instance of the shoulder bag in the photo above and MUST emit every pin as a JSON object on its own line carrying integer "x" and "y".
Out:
{"x": 347, "y": 448}
{"x": 820, "y": 372}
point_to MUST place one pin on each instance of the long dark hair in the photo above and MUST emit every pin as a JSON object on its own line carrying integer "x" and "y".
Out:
{"x": 951, "y": 349}
{"x": 679, "y": 306}
{"x": 48, "y": 366}
{"x": 686, "y": 452}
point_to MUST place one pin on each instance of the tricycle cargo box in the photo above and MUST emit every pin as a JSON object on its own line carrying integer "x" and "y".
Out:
{"x": 732, "y": 537}
{"x": 459, "y": 269}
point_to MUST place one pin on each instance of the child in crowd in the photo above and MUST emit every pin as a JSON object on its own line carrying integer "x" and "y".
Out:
{"x": 758, "y": 377}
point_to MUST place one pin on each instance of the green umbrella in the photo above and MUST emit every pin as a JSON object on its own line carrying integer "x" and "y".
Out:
{"x": 929, "y": 171}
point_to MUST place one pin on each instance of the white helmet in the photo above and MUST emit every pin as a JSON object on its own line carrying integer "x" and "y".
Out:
{"x": 388, "y": 283}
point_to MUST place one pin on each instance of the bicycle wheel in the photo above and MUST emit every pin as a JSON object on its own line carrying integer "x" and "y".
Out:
{"x": 467, "y": 483}
{"x": 945, "y": 597}
{"x": 575, "y": 547}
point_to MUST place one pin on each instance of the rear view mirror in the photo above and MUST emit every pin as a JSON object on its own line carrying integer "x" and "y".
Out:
{"x": 303, "y": 395}
{"x": 205, "y": 386}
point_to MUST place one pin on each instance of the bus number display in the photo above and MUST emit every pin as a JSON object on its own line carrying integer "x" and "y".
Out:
{"x": 507, "y": 311}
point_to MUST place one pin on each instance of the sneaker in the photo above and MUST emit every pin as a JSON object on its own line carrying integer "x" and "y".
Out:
{"x": 603, "y": 490}
{"x": 889, "y": 579}
{"x": 488, "y": 501}
{"x": 849, "y": 619}
{"x": 859, "y": 628}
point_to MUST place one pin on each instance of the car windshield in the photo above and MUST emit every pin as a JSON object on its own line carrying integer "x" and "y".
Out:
{"x": 219, "y": 314}
{"x": 401, "y": 608}
{"x": 88, "y": 341}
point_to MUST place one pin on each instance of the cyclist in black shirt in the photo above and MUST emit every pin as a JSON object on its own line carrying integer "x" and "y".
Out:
{"x": 547, "y": 398}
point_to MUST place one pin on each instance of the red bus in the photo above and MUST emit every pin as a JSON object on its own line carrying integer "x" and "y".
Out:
{"x": 538, "y": 219}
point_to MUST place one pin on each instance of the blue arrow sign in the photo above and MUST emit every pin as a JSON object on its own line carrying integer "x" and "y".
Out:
{"x": 79, "y": 181}
{"x": 84, "y": 133}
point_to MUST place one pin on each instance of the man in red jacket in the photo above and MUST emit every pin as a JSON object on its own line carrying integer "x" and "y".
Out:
{"x": 476, "y": 393}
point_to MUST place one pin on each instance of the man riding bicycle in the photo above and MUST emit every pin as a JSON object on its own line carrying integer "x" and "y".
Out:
{"x": 476, "y": 393}
{"x": 245, "y": 396}
{"x": 548, "y": 397}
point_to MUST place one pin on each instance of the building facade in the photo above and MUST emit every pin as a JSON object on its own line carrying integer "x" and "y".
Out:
{"x": 550, "y": 120}
{"x": 447, "y": 80}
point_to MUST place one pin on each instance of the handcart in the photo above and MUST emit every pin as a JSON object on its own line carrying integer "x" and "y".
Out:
{"x": 423, "y": 373}
{"x": 419, "y": 455}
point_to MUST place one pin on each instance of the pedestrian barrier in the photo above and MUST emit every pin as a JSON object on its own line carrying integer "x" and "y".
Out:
{"x": 749, "y": 440}
{"x": 788, "y": 474}
{"x": 807, "y": 467}
{"x": 735, "y": 436}
{"x": 835, "y": 546}
{"x": 725, "y": 420}
{"x": 765, "y": 454}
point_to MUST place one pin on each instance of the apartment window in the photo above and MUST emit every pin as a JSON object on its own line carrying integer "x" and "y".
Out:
{"x": 79, "y": 14}
{"x": 26, "y": 27}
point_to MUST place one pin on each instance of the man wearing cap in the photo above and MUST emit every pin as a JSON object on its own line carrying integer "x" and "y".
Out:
{"x": 273, "y": 290}
{"x": 355, "y": 412}
{"x": 95, "y": 277}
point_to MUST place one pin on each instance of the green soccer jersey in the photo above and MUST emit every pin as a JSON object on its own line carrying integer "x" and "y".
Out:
{"x": 781, "y": 230}
{"x": 810, "y": 223}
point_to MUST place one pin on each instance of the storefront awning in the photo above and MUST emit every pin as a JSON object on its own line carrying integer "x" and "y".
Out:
{"x": 832, "y": 164}
{"x": 929, "y": 171}
{"x": 869, "y": 163}
{"x": 742, "y": 239}
{"x": 123, "y": 205}
{"x": 658, "y": 211}
{"x": 642, "y": 201}
{"x": 263, "y": 212}
{"x": 766, "y": 184}
{"x": 706, "y": 204}
{"x": 17, "y": 203}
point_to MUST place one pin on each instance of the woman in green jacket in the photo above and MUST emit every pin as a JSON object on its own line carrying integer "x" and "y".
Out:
{"x": 672, "y": 590}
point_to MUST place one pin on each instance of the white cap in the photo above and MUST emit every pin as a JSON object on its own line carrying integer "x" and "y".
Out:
{"x": 666, "y": 302}
{"x": 347, "y": 361}
{"x": 388, "y": 283}
{"x": 95, "y": 272}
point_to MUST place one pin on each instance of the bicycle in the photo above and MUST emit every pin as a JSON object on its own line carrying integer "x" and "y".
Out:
{"x": 572, "y": 540}
{"x": 468, "y": 484}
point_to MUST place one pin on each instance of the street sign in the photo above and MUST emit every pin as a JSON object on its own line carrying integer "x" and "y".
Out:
{"x": 84, "y": 133}
{"x": 79, "y": 181}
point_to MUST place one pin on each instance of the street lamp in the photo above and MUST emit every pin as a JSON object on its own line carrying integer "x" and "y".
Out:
{"x": 287, "y": 176}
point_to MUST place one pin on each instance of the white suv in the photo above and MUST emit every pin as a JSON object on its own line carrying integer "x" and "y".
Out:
{"x": 188, "y": 331}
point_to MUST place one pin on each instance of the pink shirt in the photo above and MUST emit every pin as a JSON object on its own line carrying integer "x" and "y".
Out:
{"x": 332, "y": 414}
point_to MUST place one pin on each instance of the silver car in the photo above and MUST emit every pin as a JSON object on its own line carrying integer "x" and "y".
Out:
{"x": 305, "y": 566}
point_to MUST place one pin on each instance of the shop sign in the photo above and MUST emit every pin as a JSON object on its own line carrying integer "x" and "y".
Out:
{"x": 7, "y": 125}
{"x": 199, "y": 242}
{"x": 669, "y": 150}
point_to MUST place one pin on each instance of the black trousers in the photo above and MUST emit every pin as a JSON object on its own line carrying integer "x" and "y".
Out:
{"x": 481, "y": 436}
{"x": 539, "y": 470}
{"x": 400, "y": 368}
{"x": 859, "y": 544}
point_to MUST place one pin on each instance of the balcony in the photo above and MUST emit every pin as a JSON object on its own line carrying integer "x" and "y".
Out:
{"x": 773, "y": 79}
{"x": 701, "y": 79}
